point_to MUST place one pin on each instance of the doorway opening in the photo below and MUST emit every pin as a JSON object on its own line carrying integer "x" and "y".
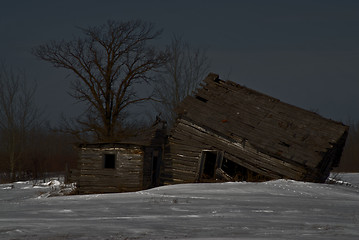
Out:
{"x": 155, "y": 168}
{"x": 210, "y": 161}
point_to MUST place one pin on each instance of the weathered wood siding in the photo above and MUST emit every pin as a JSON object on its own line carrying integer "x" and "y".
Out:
{"x": 255, "y": 131}
{"x": 126, "y": 176}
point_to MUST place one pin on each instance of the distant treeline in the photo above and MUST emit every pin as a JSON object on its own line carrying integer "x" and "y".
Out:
{"x": 45, "y": 151}
{"x": 350, "y": 158}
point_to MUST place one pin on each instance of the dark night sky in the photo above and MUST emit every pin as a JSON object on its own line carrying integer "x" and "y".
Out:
{"x": 303, "y": 52}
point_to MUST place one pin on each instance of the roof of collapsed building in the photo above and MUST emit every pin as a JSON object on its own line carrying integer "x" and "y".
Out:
{"x": 277, "y": 129}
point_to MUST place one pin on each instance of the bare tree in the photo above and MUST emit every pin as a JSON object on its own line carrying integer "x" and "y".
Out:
{"x": 108, "y": 63}
{"x": 18, "y": 116}
{"x": 183, "y": 72}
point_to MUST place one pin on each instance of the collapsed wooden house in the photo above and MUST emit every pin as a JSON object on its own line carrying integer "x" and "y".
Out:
{"x": 129, "y": 165}
{"x": 224, "y": 132}
{"x": 227, "y": 131}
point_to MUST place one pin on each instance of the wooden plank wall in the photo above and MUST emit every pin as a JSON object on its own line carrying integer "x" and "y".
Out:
{"x": 188, "y": 140}
{"x": 127, "y": 176}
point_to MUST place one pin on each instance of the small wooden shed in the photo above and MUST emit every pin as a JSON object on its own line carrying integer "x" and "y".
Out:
{"x": 125, "y": 166}
{"x": 227, "y": 131}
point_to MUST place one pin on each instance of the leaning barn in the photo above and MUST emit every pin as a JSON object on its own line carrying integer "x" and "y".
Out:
{"x": 230, "y": 132}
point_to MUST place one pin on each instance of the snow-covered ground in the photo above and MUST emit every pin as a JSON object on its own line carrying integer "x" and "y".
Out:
{"x": 278, "y": 209}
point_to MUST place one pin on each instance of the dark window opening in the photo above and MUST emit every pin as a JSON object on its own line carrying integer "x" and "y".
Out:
{"x": 209, "y": 165}
{"x": 229, "y": 167}
{"x": 109, "y": 161}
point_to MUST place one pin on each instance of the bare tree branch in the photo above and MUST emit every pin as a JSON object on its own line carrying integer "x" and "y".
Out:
{"x": 18, "y": 116}
{"x": 183, "y": 72}
{"x": 107, "y": 63}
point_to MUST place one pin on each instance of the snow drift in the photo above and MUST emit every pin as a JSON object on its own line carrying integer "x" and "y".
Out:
{"x": 278, "y": 209}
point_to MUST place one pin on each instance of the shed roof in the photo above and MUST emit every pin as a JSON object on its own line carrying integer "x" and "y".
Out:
{"x": 273, "y": 127}
{"x": 152, "y": 136}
